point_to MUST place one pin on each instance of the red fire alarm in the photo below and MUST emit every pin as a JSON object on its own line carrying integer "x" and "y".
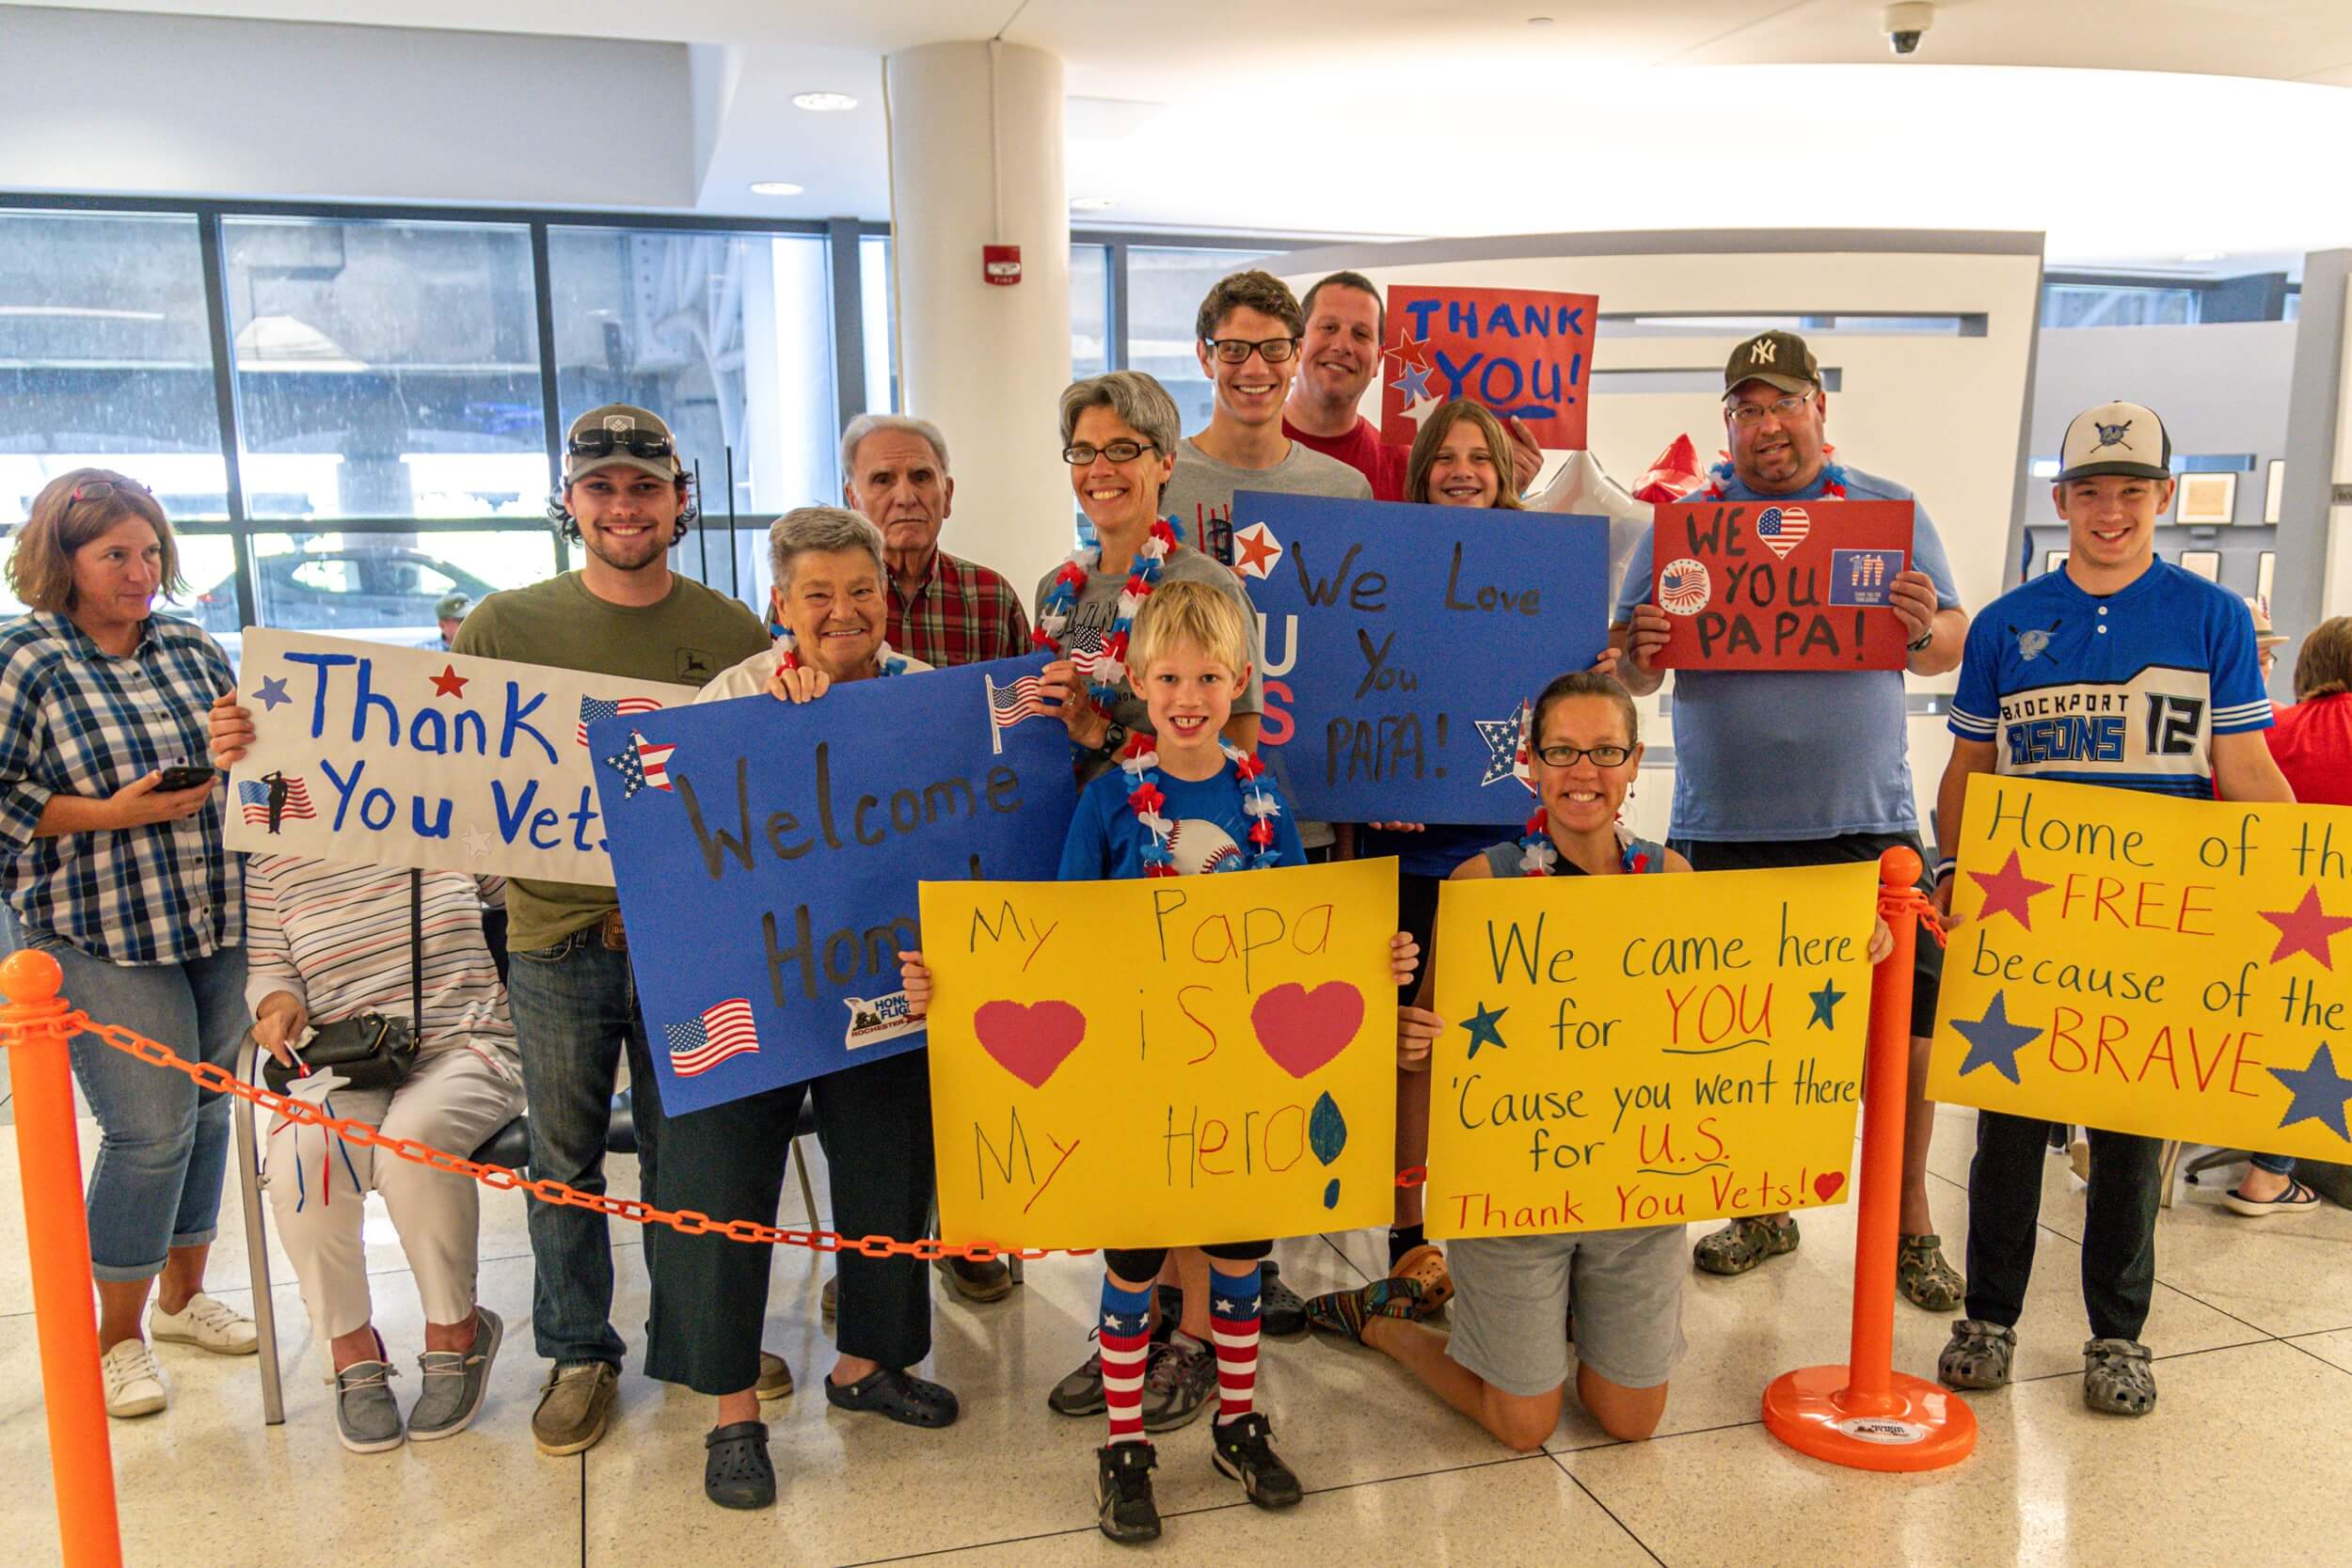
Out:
{"x": 1001, "y": 263}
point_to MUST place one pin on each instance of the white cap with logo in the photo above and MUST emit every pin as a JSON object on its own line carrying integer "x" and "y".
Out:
{"x": 2116, "y": 438}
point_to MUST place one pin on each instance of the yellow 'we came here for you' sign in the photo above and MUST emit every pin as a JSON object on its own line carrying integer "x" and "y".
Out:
{"x": 1646, "y": 1050}
{"x": 1172, "y": 1062}
{"x": 2180, "y": 969}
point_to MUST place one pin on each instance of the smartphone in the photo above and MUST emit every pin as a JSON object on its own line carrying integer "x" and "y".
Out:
{"x": 179, "y": 777}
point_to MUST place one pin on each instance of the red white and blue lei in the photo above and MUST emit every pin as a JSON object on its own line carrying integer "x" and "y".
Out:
{"x": 885, "y": 662}
{"x": 1537, "y": 855}
{"x": 1258, "y": 804}
{"x": 1108, "y": 671}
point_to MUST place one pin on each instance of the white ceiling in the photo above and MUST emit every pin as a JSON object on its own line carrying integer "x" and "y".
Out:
{"x": 1452, "y": 117}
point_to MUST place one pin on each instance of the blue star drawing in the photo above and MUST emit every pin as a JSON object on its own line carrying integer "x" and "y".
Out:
{"x": 1825, "y": 1006}
{"x": 271, "y": 693}
{"x": 1415, "y": 384}
{"x": 2320, "y": 1093}
{"x": 1502, "y": 737}
{"x": 1484, "y": 1031}
{"x": 1993, "y": 1040}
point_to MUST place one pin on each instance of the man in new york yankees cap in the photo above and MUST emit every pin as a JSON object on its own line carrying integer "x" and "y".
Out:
{"x": 1783, "y": 768}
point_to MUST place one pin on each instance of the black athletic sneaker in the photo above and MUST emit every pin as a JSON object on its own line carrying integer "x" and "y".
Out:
{"x": 1122, "y": 1492}
{"x": 1244, "y": 1451}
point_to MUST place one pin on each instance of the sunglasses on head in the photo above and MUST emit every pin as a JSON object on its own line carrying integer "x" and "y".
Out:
{"x": 98, "y": 489}
{"x": 604, "y": 443}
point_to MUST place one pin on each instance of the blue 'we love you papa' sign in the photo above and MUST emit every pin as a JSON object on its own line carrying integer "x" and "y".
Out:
{"x": 1402, "y": 643}
{"x": 768, "y": 855}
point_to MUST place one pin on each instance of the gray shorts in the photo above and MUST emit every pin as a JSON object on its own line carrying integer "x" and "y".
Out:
{"x": 1511, "y": 1296}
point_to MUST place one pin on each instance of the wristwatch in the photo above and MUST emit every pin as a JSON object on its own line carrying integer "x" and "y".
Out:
{"x": 1114, "y": 736}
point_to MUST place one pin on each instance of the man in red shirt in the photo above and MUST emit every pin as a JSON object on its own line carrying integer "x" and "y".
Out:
{"x": 1346, "y": 326}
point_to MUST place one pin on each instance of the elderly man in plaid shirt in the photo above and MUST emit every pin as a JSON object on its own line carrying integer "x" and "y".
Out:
{"x": 943, "y": 610}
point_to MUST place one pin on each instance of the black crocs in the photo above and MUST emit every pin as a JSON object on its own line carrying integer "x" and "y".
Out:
{"x": 898, "y": 1395}
{"x": 1281, "y": 1312}
{"x": 735, "y": 1470}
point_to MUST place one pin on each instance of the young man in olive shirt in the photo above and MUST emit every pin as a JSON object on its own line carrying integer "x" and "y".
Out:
{"x": 623, "y": 613}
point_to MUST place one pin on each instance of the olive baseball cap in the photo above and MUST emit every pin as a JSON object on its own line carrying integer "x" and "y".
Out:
{"x": 624, "y": 435}
{"x": 453, "y": 606}
{"x": 1777, "y": 360}
{"x": 2116, "y": 438}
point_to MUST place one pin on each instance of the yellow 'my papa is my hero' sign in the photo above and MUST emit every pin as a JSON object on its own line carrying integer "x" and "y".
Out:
{"x": 1646, "y": 1050}
{"x": 1177, "y": 1061}
{"x": 2153, "y": 965}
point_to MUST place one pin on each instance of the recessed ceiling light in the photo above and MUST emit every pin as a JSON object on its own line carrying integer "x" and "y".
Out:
{"x": 775, "y": 187}
{"x": 823, "y": 102}
{"x": 1539, "y": 22}
{"x": 2203, "y": 256}
{"x": 1091, "y": 203}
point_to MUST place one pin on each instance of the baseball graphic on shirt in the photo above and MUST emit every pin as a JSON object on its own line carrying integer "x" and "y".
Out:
{"x": 1683, "y": 588}
{"x": 1200, "y": 846}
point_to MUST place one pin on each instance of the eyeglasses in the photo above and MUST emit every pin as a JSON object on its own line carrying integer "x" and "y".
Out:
{"x": 603, "y": 443}
{"x": 1779, "y": 408}
{"x": 1232, "y": 351}
{"x": 1568, "y": 757}
{"x": 1078, "y": 453}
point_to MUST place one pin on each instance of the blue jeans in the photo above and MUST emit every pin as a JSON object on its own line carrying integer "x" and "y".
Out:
{"x": 2277, "y": 1164}
{"x": 575, "y": 1009}
{"x": 163, "y": 1145}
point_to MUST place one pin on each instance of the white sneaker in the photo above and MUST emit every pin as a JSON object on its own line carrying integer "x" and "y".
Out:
{"x": 207, "y": 1324}
{"x": 135, "y": 1384}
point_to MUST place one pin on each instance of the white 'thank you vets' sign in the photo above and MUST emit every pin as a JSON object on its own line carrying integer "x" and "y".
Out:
{"x": 411, "y": 756}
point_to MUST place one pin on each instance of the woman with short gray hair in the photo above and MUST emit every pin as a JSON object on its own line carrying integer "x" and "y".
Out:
{"x": 709, "y": 1293}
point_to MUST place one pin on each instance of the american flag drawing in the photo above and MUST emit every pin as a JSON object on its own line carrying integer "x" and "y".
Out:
{"x": 654, "y": 760}
{"x": 1009, "y": 704}
{"x": 593, "y": 708}
{"x": 1782, "y": 528}
{"x": 639, "y": 764}
{"x": 253, "y": 794}
{"x": 1682, "y": 587}
{"x": 700, "y": 1044}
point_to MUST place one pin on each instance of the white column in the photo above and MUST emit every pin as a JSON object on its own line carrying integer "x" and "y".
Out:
{"x": 986, "y": 363}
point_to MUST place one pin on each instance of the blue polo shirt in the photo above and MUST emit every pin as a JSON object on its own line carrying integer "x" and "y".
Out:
{"x": 2127, "y": 690}
{"x": 1781, "y": 755}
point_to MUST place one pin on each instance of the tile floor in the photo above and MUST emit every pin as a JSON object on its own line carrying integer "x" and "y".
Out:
{"x": 2245, "y": 1459}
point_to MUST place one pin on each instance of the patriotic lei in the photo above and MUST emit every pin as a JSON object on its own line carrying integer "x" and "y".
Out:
{"x": 1061, "y": 598}
{"x": 1258, "y": 802}
{"x": 1537, "y": 855}
{"x": 887, "y": 662}
{"x": 1834, "y": 473}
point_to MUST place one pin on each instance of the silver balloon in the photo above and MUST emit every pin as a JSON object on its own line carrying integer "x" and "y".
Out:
{"x": 1583, "y": 487}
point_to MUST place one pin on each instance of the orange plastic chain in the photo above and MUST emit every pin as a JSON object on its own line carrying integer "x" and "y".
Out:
{"x": 687, "y": 1222}
{"x": 1895, "y": 903}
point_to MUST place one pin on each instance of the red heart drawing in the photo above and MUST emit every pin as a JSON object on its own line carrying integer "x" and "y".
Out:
{"x": 1030, "y": 1041}
{"x": 1826, "y": 1185}
{"x": 1303, "y": 1029}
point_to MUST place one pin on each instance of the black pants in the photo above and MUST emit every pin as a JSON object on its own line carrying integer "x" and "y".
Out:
{"x": 710, "y": 1295}
{"x": 1417, "y": 917}
{"x": 1143, "y": 1264}
{"x": 2118, "y": 1231}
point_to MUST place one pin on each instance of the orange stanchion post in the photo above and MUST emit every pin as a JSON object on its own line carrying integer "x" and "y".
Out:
{"x": 1867, "y": 1414}
{"x": 57, "y": 1234}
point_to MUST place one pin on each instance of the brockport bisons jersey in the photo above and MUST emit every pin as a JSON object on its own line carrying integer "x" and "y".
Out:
{"x": 2127, "y": 690}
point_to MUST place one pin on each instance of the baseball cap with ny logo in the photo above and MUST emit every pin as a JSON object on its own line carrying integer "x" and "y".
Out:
{"x": 1777, "y": 360}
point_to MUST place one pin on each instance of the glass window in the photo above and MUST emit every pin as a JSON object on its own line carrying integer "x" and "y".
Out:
{"x": 728, "y": 337}
{"x": 383, "y": 587}
{"x": 385, "y": 370}
{"x": 1089, "y": 310}
{"x": 1165, "y": 286}
{"x": 2124, "y": 304}
{"x": 877, "y": 305}
{"x": 106, "y": 358}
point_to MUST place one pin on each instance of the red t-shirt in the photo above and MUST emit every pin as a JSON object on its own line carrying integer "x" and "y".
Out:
{"x": 1360, "y": 449}
{"x": 2312, "y": 743}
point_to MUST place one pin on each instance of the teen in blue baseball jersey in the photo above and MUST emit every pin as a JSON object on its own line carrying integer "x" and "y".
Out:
{"x": 2122, "y": 670}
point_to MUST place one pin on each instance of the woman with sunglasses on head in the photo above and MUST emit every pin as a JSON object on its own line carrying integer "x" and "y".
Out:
{"x": 111, "y": 861}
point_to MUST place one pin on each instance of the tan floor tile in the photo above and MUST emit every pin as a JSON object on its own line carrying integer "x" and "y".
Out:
{"x": 2335, "y": 1347}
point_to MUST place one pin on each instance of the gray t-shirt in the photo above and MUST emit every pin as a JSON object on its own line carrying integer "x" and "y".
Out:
{"x": 1098, "y": 607}
{"x": 1200, "y": 495}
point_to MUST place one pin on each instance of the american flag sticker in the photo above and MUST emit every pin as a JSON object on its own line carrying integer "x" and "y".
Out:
{"x": 1783, "y": 529}
{"x": 254, "y": 796}
{"x": 654, "y": 760}
{"x": 723, "y": 1030}
{"x": 1683, "y": 588}
{"x": 1008, "y": 705}
{"x": 593, "y": 708}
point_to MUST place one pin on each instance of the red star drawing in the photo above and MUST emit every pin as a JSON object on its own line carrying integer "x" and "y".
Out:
{"x": 2009, "y": 889}
{"x": 1259, "y": 552}
{"x": 449, "y": 683}
{"x": 1410, "y": 351}
{"x": 2307, "y": 928}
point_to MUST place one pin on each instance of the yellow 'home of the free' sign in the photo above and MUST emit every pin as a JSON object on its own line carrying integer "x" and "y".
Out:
{"x": 2180, "y": 969}
{"x": 1625, "y": 1051}
{"x": 1172, "y": 1062}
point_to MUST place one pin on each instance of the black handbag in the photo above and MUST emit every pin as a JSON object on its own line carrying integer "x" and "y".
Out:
{"x": 369, "y": 1051}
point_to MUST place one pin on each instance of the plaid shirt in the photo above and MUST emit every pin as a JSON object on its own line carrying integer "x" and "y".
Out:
{"x": 76, "y": 721}
{"x": 962, "y": 614}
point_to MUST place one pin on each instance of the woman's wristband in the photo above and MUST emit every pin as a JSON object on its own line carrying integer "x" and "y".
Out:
{"x": 1946, "y": 869}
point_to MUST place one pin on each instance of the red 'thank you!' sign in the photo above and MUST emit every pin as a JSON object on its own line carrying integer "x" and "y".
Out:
{"x": 1780, "y": 585}
{"x": 1527, "y": 354}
